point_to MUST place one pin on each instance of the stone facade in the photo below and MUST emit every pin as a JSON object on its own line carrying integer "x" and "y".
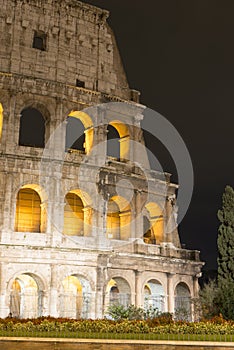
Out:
{"x": 81, "y": 227}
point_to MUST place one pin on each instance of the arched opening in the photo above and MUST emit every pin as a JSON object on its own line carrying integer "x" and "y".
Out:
{"x": 29, "y": 216}
{"x": 75, "y": 137}
{"x": 118, "y": 292}
{"x": 154, "y": 296}
{"x": 153, "y": 224}
{"x": 1, "y": 120}
{"x": 75, "y": 298}
{"x": 118, "y": 218}
{"x": 113, "y": 146}
{"x": 26, "y": 298}
{"x": 148, "y": 234}
{"x": 118, "y": 140}
{"x": 79, "y": 132}
{"x": 73, "y": 215}
{"x": 32, "y": 128}
{"x": 182, "y": 302}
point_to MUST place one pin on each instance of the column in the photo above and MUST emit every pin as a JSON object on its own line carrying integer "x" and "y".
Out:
{"x": 137, "y": 231}
{"x": 8, "y": 208}
{"x": 87, "y": 221}
{"x": 4, "y": 306}
{"x": 195, "y": 311}
{"x": 89, "y": 135}
{"x": 125, "y": 225}
{"x": 170, "y": 225}
{"x": 138, "y": 289}
{"x": 99, "y": 297}
{"x": 170, "y": 293}
{"x": 124, "y": 147}
{"x": 53, "y": 292}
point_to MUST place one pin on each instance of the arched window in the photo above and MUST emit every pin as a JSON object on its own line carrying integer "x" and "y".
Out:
{"x": 182, "y": 302}
{"x": 154, "y": 296}
{"x": 118, "y": 218}
{"x": 153, "y": 224}
{"x": 32, "y": 128}
{"x": 75, "y": 137}
{"x": 118, "y": 292}
{"x": 26, "y": 297}
{"x": 28, "y": 211}
{"x": 73, "y": 215}
{"x": 113, "y": 145}
{"x": 79, "y": 132}
{"x": 118, "y": 140}
{"x": 148, "y": 234}
{"x": 75, "y": 297}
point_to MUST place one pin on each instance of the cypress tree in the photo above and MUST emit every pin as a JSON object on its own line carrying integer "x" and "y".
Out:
{"x": 226, "y": 254}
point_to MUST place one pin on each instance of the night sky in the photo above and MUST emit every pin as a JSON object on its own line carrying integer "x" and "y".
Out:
{"x": 180, "y": 55}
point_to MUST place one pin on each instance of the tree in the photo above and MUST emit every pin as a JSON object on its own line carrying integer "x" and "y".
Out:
{"x": 206, "y": 306}
{"x": 226, "y": 254}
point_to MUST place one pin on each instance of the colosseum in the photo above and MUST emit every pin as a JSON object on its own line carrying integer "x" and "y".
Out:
{"x": 84, "y": 221}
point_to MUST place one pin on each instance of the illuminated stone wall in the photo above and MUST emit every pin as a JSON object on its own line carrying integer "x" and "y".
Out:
{"x": 95, "y": 249}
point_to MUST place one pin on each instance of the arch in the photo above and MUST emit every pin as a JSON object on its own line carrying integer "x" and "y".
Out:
{"x": 79, "y": 132}
{"x": 73, "y": 215}
{"x": 32, "y": 128}
{"x": 182, "y": 302}
{"x": 26, "y": 296}
{"x": 30, "y": 215}
{"x": 75, "y": 297}
{"x": 118, "y": 218}
{"x": 113, "y": 144}
{"x": 1, "y": 120}
{"x": 153, "y": 223}
{"x": 118, "y": 140}
{"x": 154, "y": 296}
{"x": 118, "y": 292}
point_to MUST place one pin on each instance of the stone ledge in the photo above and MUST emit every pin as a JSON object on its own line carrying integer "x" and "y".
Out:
{"x": 121, "y": 341}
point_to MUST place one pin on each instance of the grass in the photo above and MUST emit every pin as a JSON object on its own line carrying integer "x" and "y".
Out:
{"x": 130, "y": 336}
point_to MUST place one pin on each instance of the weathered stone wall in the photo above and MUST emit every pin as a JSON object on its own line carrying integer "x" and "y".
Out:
{"x": 78, "y": 44}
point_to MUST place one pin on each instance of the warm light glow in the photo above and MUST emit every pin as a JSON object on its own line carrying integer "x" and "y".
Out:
{"x": 72, "y": 284}
{"x": 118, "y": 218}
{"x": 124, "y": 138}
{"x": 110, "y": 284}
{"x": 73, "y": 215}
{"x": 28, "y": 211}
{"x": 88, "y": 124}
{"x": 156, "y": 222}
{"x": 72, "y": 297}
{"x": 24, "y": 301}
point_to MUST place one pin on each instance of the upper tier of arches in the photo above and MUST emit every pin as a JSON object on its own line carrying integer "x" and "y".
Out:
{"x": 80, "y": 132}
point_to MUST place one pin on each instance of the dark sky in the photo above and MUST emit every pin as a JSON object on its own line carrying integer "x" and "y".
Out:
{"x": 180, "y": 55}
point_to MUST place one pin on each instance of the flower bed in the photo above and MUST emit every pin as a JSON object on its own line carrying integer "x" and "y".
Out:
{"x": 48, "y": 325}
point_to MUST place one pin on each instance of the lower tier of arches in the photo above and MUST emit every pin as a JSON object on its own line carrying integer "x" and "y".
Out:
{"x": 80, "y": 291}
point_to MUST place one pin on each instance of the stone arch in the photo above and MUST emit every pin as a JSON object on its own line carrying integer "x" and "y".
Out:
{"x": 118, "y": 218}
{"x": 118, "y": 291}
{"x": 77, "y": 213}
{"x": 79, "y": 136}
{"x": 118, "y": 143}
{"x": 154, "y": 295}
{"x": 33, "y": 128}
{"x": 154, "y": 229}
{"x": 26, "y": 295}
{"x": 30, "y": 213}
{"x": 75, "y": 297}
{"x": 182, "y": 295}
